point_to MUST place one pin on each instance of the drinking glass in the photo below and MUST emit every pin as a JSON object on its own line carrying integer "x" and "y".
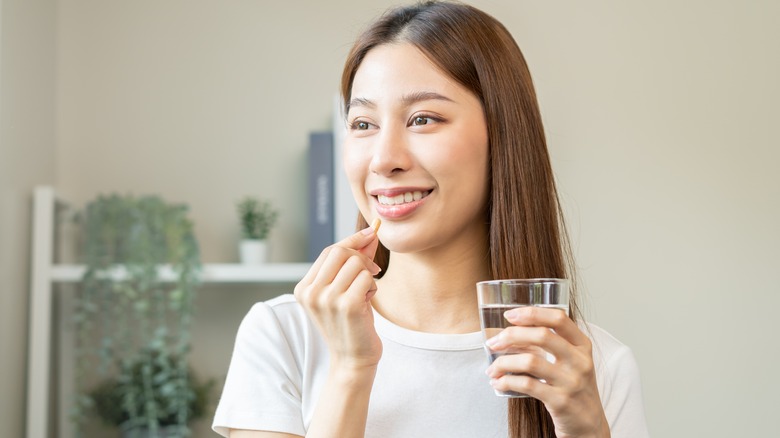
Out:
{"x": 497, "y": 296}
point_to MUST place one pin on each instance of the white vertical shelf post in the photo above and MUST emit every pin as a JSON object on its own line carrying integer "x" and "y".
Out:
{"x": 39, "y": 352}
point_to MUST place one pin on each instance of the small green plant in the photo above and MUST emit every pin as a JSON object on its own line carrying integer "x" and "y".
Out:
{"x": 257, "y": 218}
{"x": 112, "y": 396}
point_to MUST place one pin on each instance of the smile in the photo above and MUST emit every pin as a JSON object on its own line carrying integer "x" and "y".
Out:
{"x": 402, "y": 198}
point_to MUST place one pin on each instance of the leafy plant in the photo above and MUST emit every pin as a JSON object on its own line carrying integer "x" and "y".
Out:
{"x": 112, "y": 394}
{"x": 257, "y": 218}
{"x": 127, "y": 319}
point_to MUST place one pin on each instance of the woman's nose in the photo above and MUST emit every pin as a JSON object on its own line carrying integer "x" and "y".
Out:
{"x": 390, "y": 153}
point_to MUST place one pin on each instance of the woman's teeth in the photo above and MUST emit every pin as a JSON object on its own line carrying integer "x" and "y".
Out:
{"x": 403, "y": 198}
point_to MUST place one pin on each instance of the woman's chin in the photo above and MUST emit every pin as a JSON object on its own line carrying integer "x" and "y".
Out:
{"x": 406, "y": 245}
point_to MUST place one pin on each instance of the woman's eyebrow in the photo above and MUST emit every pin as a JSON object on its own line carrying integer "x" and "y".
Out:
{"x": 420, "y": 96}
{"x": 359, "y": 101}
{"x": 408, "y": 99}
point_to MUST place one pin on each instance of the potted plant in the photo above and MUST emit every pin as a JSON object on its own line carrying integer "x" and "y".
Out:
{"x": 128, "y": 322}
{"x": 257, "y": 218}
{"x": 113, "y": 396}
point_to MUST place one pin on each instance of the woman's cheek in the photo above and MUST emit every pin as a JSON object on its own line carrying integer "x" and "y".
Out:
{"x": 356, "y": 168}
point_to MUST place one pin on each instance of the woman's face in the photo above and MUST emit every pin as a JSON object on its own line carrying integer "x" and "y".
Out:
{"x": 416, "y": 151}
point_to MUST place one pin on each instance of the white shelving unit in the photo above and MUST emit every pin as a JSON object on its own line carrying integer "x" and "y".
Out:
{"x": 45, "y": 274}
{"x": 211, "y": 273}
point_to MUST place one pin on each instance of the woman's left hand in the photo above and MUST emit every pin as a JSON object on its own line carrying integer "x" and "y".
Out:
{"x": 569, "y": 389}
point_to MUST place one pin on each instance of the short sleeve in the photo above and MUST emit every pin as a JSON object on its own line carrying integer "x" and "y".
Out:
{"x": 622, "y": 397}
{"x": 263, "y": 386}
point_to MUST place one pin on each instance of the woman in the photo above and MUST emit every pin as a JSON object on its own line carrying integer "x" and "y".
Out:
{"x": 445, "y": 145}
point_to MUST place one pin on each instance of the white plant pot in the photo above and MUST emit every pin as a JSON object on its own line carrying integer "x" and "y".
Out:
{"x": 254, "y": 252}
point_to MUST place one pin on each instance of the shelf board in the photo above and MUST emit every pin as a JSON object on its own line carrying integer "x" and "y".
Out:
{"x": 211, "y": 273}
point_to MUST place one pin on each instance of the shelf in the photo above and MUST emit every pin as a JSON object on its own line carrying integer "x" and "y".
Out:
{"x": 211, "y": 273}
{"x": 44, "y": 274}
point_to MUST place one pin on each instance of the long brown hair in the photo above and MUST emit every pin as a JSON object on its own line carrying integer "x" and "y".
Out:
{"x": 527, "y": 236}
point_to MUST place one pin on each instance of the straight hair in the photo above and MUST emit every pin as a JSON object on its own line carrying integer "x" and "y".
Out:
{"x": 527, "y": 235}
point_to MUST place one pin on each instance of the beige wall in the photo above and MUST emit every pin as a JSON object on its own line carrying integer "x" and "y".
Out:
{"x": 659, "y": 116}
{"x": 662, "y": 119}
{"x": 27, "y": 156}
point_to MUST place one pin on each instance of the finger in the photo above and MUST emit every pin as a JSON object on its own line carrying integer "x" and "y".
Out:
{"x": 533, "y": 364}
{"x": 524, "y": 384}
{"x": 337, "y": 257}
{"x": 347, "y": 274}
{"x": 359, "y": 240}
{"x": 370, "y": 249}
{"x": 518, "y": 337}
{"x": 364, "y": 240}
{"x": 315, "y": 267}
{"x": 551, "y": 318}
{"x": 361, "y": 290}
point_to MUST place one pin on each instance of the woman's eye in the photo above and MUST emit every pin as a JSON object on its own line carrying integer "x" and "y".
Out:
{"x": 423, "y": 119}
{"x": 420, "y": 120}
{"x": 360, "y": 125}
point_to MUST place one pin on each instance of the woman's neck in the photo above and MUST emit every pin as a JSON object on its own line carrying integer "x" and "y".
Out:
{"x": 434, "y": 291}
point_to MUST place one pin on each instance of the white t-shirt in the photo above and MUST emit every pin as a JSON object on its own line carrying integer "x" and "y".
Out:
{"x": 426, "y": 385}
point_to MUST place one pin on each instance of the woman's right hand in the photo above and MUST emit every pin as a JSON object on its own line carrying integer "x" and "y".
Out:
{"x": 336, "y": 294}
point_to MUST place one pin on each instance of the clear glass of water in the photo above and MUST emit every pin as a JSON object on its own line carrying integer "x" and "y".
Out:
{"x": 497, "y": 296}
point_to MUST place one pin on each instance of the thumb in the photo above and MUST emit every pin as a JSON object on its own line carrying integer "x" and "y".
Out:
{"x": 370, "y": 249}
{"x": 364, "y": 241}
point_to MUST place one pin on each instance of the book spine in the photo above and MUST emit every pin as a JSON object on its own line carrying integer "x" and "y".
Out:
{"x": 321, "y": 194}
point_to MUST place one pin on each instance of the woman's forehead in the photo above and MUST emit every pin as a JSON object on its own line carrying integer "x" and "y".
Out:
{"x": 401, "y": 72}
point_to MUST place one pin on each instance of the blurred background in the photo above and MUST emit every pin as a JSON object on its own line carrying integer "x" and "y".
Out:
{"x": 662, "y": 125}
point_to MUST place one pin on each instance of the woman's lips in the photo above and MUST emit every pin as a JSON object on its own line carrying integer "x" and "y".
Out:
{"x": 397, "y": 203}
{"x": 402, "y": 197}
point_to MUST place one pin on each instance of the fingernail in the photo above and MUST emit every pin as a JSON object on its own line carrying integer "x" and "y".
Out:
{"x": 492, "y": 342}
{"x": 512, "y": 314}
{"x": 493, "y": 382}
{"x": 368, "y": 231}
{"x": 489, "y": 371}
{"x": 377, "y": 269}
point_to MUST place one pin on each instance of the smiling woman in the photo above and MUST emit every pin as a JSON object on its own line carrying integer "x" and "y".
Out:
{"x": 411, "y": 128}
{"x": 445, "y": 145}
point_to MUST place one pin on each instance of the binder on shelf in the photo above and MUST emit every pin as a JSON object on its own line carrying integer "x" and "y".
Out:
{"x": 321, "y": 195}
